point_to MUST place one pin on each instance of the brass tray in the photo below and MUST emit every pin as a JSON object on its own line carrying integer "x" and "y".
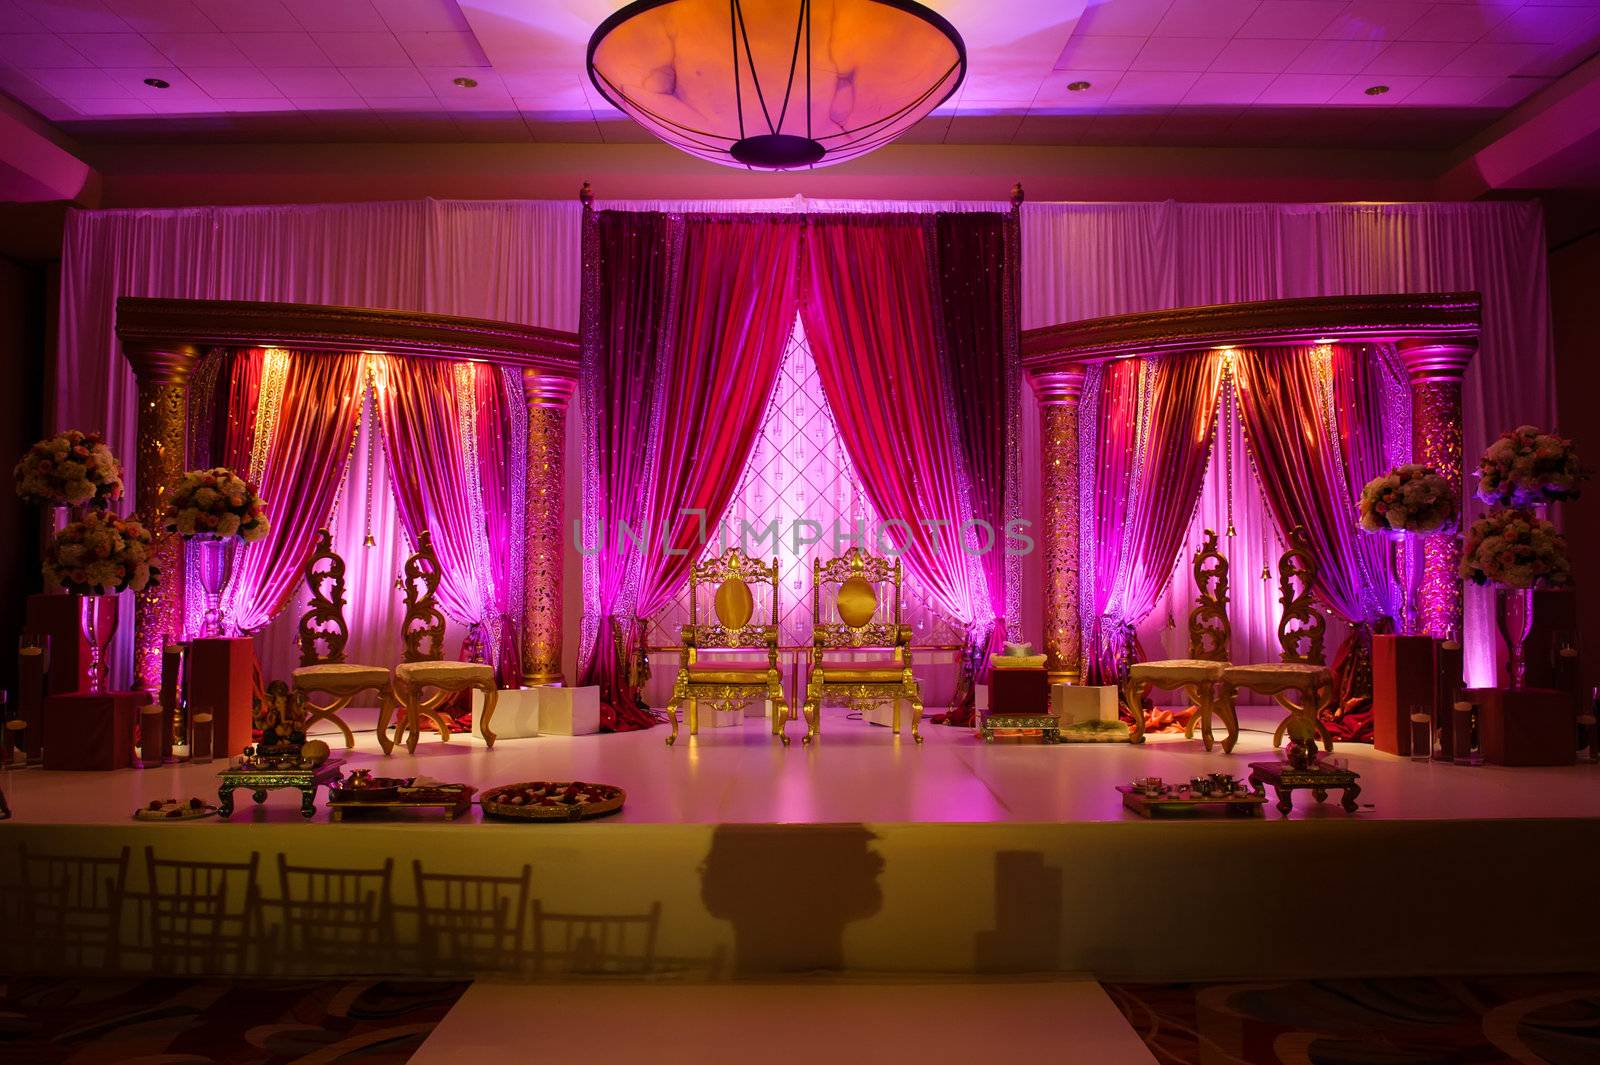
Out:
{"x": 453, "y": 805}
{"x": 1235, "y": 804}
{"x": 576, "y": 812}
{"x": 144, "y": 813}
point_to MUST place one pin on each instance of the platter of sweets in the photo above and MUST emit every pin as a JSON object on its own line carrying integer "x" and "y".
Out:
{"x": 362, "y": 786}
{"x": 552, "y": 800}
{"x": 174, "y": 810}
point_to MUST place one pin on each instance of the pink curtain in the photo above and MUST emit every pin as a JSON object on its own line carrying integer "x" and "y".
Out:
{"x": 1152, "y": 425}
{"x": 870, "y": 316}
{"x": 683, "y": 338}
{"x": 443, "y": 435}
{"x": 317, "y": 412}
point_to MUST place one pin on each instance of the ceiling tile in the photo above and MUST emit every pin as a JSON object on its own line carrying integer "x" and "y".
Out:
{"x": 110, "y": 107}
{"x": 1205, "y": 18}
{"x": 1258, "y": 57}
{"x": 1136, "y": 18}
{"x": 113, "y": 49}
{"x": 1150, "y": 87}
{"x": 248, "y": 16}
{"x": 74, "y": 16}
{"x": 1354, "y": 92}
{"x": 1375, "y": 20}
{"x": 1099, "y": 53}
{"x": 1534, "y": 24}
{"x": 1010, "y": 89}
{"x": 1301, "y": 89}
{"x": 978, "y": 129}
{"x": 1335, "y": 57}
{"x": 443, "y": 49}
{"x": 39, "y": 50}
{"x": 15, "y": 20}
{"x": 233, "y": 83}
{"x": 489, "y": 95}
{"x": 77, "y": 83}
{"x": 163, "y": 16}
{"x": 1490, "y": 58}
{"x": 311, "y": 82}
{"x": 363, "y": 49}
{"x": 1217, "y": 89}
{"x": 275, "y": 49}
{"x": 1414, "y": 57}
{"x": 1291, "y": 19}
{"x": 1456, "y": 22}
{"x": 387, "y": 82}
{"x": 410, "y": 15}
{"x": 342, "y": 16}
{"x": 199, "y": 49}
{"x": 1055, "y": 98}
{"x": 1177, "y": 53}
{"x": 1451, "y": 92}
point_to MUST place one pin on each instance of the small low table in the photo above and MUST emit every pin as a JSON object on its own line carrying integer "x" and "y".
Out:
{"x": 1047, "y": 725}
{"x": 260, "y": 781}
{"x": 1319, "y": 780}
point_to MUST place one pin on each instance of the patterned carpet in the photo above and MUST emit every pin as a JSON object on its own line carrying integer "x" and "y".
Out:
{"x": 1528, "y": 1020}
{"x": 48, "y": 1020}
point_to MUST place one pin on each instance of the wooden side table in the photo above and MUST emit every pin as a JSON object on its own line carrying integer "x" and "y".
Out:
{"x": 1319, "y": 780}
{"x": 260, "y": 781}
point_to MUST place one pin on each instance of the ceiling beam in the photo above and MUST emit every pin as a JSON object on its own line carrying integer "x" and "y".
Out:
{"x": 34, "y": 167}
{"x": 1550, "y": 141}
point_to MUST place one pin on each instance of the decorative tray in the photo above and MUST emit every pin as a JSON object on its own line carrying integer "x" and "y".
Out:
{"x": 552, "y": 800}
{"x": 1189, "y": 804}
{"x": 174, "y": 810}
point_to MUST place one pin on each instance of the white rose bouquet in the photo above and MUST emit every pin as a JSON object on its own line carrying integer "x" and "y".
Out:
{"x": 71, "y": 469}
{"x": 1515, "y": 549}
{"x": 217, "y": 501}
{"x": 1411, "y": 498}
{"x": 101, "y": 554}
{"x": 1527, "y": 467}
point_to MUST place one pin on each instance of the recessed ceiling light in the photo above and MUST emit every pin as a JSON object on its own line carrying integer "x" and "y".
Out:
{"x": 466, "y": 83}
{"x": 1077, "y": 86}
{"x": 1377, "y": 90}
{"x": 157, "y": 83}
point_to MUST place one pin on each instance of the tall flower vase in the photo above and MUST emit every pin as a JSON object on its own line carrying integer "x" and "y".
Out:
{"x": 97, "y": 619}
{"x": 215, "y": 557}
{"x": 55, "y": 519}
{"x": 1514, "y": 616}
{"x": 1406, "y": 622}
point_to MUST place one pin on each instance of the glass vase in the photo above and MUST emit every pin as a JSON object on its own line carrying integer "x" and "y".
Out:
{"x": 1514, "y": 617}
{"x": 97, "y": 620}
{"x": 214, "y": 566}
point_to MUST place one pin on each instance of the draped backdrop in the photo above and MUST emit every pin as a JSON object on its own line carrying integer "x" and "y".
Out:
{"x": 520, "y": 261}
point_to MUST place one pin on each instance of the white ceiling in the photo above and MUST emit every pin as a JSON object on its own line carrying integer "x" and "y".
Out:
{"x": 1160, "y": 71}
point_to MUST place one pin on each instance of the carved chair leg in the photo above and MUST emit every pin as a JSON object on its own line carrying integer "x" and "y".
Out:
{"x": 780, "y": 713}
{"x": 386, "y": 708}
{"x": 694, "y": 716}
{"x": 672, "y": 718}
{"x": 1227, "y": 697}
{"x": 812, "y": 710}
{"x": 491, "y": 695}
{"x": 1133, "y": 697}
{"x": 1203, "y": 701}
{"x": 413, "y": 693}
{"x": 894, "y": 717}
{"x": 916, "y": 719}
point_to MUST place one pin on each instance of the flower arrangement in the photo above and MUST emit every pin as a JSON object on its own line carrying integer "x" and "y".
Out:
{"x": 101, "y": 554}
{"x": 1515, "y": 549}
{"x": 1411, "y": 498}
{"x": 71, "y": 469}
{"x": 1527, "y": 467}
{"x": 220, "y": 502}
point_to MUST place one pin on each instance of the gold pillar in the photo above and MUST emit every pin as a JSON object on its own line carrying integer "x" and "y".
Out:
{"x": 1059, "y": 393}
{"x": 163, "y": 376}
{"x": 1435, "y": 369}
{"x": 547, "y": 396}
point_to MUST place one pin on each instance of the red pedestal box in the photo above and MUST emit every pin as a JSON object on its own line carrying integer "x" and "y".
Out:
{"x": 1019, "y": 691}
{"x": 84, "y": 730}
{"x": 1403, "y": 676}
{"x": 1528, "y": 726}
{"x": 1555, "y": 621}
{"x": 56, "y": 616}
{"x": 221, "y": 677}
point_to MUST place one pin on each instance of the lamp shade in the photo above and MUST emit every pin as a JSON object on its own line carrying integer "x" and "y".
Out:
{"x": 776, "y": 84}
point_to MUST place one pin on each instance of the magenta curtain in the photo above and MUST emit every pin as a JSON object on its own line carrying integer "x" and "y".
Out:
{"x": 443, "y": 431}
{"x": 1314, "y": 422}
{"x": 318, "y": 408}
{"x": 685, "y": 322}
{"x": 1152, "y": 425}
{"x": 870, "y": 314}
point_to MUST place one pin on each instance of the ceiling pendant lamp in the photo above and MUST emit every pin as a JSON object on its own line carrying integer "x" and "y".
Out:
{"x": 776, "y": 84}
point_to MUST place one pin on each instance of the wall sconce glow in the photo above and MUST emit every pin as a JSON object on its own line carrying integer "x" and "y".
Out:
{"x": 770, "y": 86}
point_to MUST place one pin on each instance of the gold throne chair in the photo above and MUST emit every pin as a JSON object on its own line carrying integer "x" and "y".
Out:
{"x": 422, "y": 662}
{"x": 838, "y": 674}
{"x": 1303, "y": 671}
{"x": 323, "y": 635}
{"x": 1210, "y": 637}
{"x": 730, "y": 683}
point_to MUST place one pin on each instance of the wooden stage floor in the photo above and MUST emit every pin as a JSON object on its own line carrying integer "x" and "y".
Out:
{"x": 736, "y": 857}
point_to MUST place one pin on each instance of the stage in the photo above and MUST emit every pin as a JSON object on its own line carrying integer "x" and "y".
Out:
{"x": 735, "y": 857}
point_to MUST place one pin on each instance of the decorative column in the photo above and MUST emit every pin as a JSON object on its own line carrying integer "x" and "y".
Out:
{"x": 1435, "y": 369}
{"x": 1059, "y": 393}
{"x": 163, "y": 374}
{"x": 548, "y": 396}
